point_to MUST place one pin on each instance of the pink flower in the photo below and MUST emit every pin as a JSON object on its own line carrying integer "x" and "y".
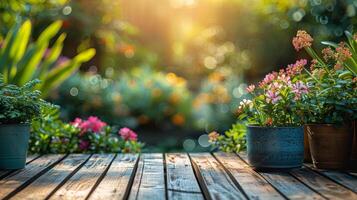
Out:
{"x": 296, "y": 68}
{"x": 268, "y": 79}
{"x": 272, "y": 97}
{"x": 83, "y": 144}
{"x": 300, "y": 88}
{"x": 302, "y": 39}
{"x": 284, "y": 78}
{"x": 77, "y": 122}
{"x": 91, "y": 124}
{"x": 250, "y": 88}
{"x": 128, "y": 134}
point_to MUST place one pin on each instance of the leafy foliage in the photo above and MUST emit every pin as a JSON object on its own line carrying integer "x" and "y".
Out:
{"x": 21, "y": 63}
{"x": 50, "y": 135}
{"x": 232, "y": 140}
{"x": 333, "y": 82}
{"x": 215, "y": 104}
{"x": 19, "y": 104}
{"x": 142, "y": 97}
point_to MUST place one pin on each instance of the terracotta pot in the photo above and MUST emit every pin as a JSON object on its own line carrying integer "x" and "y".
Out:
{"x": 330, "y": 145}
{"x": 307, "y": 153}
{"x": 354, "y": 147}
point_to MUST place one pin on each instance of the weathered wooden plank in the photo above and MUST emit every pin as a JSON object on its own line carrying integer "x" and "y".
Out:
{"x": 48, "y": 182}
{"x": 149, "y": 181}
{"x": 82, "y": 182}
{"x": 253, "y": 184}
{"x": 287, "y": 185}
{"x": 117, "y": 181}
{"x": 31, "y": 157}
{"x": 323, "y": 185}
{"x": 342, "y": 178}
{"x": 214, "y": 181}
{"x": 180, "y": 178}
{"x": 19, "y": 179}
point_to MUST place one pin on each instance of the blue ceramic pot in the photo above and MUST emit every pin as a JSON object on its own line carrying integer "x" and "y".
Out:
{"x": 14, "y": 139}
{"x": 275, "y": 147}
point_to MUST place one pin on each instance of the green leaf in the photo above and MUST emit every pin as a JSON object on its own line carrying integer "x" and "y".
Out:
{"x": 5, "y": 51}
{"x": 61, "y": 73}
{"x": 328, "y": 43}
{"x": 52, "y": 57}
{"x": 28, "y": 65}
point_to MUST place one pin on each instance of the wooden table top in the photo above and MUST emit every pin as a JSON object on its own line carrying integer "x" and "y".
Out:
{"x": 168, "y": 176}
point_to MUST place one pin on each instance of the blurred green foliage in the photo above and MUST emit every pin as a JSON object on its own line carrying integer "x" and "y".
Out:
{"x": 142, "y": 97}
{"x": 232, "y": 140}
{"x": 20, "y": 62}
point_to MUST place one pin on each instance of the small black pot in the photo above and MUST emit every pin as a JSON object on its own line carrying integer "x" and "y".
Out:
{"x": 14, "y": 139}
{"x": 275, "y": 147}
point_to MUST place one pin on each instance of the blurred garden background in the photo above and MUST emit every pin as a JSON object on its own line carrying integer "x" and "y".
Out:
{"x": 173, "y": 70}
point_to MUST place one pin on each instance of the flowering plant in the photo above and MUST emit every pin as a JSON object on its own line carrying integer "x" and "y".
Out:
{"x": 51, "y": 135}
{"x": 278, "y": 98}
{"x": 332, "y": 80}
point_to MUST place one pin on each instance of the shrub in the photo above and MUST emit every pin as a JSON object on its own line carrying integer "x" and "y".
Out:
{"x": 232, "y": 140}
{"x": 50, "y": 135}
{"x": 142, "y": 98}
{"x": 19, "y": 104}
{"x": 216, "y": 103}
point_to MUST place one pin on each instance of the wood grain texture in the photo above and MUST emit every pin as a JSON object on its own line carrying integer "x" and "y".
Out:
{"x": 342, "y": 178}
{"x": 117, "y": 181}
{"x": 180, "y": 178}
{"x": 31, "y": 157}
{"x": 20, "y": 178}
{"x": 48, "y": 182}
{"x": 149, "y": 181}
{"x": 287, "y": 185}
{"x": 82, "y": 182}
{"x": 323, "y": 185}
{"x": 214, "y": 181}
{"x": 253, "y": 184}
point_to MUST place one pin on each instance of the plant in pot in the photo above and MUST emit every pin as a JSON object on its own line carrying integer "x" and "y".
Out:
{"x": 18, "y": 105}
{"x": 274, "y": 114}
{"x": 332, "y": 101}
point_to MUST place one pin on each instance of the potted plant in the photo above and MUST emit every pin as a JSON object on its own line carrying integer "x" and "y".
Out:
{"x": 18, "y": 105}
{"x": 332, "y": 101}
{"x": 274, "y": 113}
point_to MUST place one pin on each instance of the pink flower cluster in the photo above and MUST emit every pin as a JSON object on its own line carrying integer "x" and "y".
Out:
{"x": 272, "y": 97}
{"x": 300, "y": 88}
{"x": 268, "y": 79}
{"x": 302, "y": 39}
{"x": 296, "y": 68}
{"x": 128, "y": 134}
{"x": 91, "y": 124}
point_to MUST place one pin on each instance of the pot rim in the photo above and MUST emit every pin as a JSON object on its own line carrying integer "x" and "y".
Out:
{"x": 327, "y": 124}
{"x": 278, "y": 127}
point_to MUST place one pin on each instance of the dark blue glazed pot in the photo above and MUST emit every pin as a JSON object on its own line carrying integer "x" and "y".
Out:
{"x": 275, "y": 147}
